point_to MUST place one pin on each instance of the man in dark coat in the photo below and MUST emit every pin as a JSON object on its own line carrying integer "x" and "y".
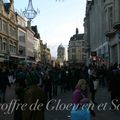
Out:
{"x": 3, "y": 83}
{"x": 114, "y": 84}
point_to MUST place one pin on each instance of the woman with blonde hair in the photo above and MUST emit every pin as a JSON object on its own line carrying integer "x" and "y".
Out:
{"x": 80, "y": 97}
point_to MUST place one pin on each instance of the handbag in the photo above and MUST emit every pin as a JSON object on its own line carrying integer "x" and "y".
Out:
{"x": 80, "y": 113}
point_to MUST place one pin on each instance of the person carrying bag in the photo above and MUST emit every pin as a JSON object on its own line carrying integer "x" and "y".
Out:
{"x": 80, "y": 98}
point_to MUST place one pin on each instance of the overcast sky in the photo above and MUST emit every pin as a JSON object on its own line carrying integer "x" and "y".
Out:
{"x": 56, "y": 21}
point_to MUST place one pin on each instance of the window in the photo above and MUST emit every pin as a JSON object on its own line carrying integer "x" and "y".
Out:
{"x": 73, "y": 50}
{"x": 73, "y": 57}
{"x": 4, "y": 27}
{"x": 12, "y": 48}
{"x": 83, "y": 49}
{"x": 13, "y": 32}
{"x": 110, "y": 17}
{"x": 79, "y": 44}
{"x": 4, "y": 46}
{"x": 21, "y": 36}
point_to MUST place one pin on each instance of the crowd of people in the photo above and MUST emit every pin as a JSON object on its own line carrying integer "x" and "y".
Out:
{"x": 42, "y": 82}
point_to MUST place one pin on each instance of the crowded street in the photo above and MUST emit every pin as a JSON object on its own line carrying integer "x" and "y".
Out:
{"x": 60, "y": 60}
{"x": 102, "y": 96}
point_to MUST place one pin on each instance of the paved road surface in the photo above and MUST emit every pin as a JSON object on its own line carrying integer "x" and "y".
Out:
{"x": 102, "y": 96}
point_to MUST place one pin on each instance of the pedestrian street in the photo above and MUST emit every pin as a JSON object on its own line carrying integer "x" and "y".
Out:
{"x": 102, "y": 96}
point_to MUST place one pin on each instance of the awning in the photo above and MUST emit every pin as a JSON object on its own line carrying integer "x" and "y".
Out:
{"x": 2, "y": 55}
{"x": 21, "y": 58}
{"x": 15, "y": 56}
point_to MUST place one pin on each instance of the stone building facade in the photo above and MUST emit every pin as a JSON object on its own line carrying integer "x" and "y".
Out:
{"x": 45, "y": 54}
{"x": 76, "y": 49}
{"x": 37, "y": 44}
{"x": 101, "y": 25}
{"x": 113, "y": 29}
{"x": 18, "y": 41}
{"x": 8, "y": 33}
{"x": 61, "y": 54}
{"x": 21, "y": 24}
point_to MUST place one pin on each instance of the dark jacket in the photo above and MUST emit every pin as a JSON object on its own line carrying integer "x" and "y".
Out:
{"x": 3, "y": 80}
{"x": 32, "y": 94}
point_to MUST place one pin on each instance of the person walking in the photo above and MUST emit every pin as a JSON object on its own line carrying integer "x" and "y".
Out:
{"x": 20, "y": 85}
